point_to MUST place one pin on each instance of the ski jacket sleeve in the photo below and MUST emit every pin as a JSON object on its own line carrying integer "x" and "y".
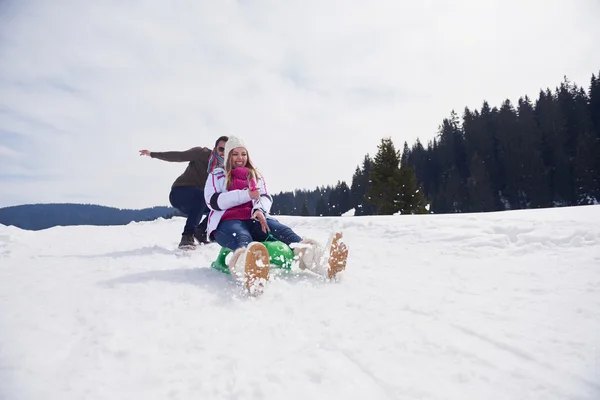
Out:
{"x": 217, "y": 197}
{"x": 265, "y": 201}
{"x": 195, "y": 153}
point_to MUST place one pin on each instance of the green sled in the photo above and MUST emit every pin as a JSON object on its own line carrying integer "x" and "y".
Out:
{"x": 280, "y": 255}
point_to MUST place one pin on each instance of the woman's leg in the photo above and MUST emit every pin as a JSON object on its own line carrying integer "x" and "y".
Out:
{"x": 233, "y": 234}
{"x": 282, "y": 232}
{"x": 309, "y": 253}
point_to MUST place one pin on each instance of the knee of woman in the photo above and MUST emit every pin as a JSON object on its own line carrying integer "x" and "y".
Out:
{"x": 286, "y": 235}
{"x": 239, "y": 239}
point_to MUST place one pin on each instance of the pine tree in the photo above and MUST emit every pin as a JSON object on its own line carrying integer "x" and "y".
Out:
{"x": 447, "y": 199}
{"x": 479, "y": 186}
{"x": 534, "y": 190}
{"x": 510, "y": 156}
{"x": 451, "y": 153}
{"x": 594, "y": 95}
{"x": 568, "y": 138}
{"x": 321, "y": 209}
{"x": 361, "y": 182}
{"x": 305, "y": 212}
{"x": 418, "y": 159}
{"x": 594, "y": 106}
{"x": 436, "y": 174}
{"x": 412, "y": 198}
{"x": 551, "y": 122}
{"x": 344, "y": 197}
{"x": 585, "y": 172}
{"x": 357, "y": 190}
{"x": 478, "y": 138}
{"x": 383, "y": 192}
{"x": 489, "y": 121}
{"x": 333, "y": 203}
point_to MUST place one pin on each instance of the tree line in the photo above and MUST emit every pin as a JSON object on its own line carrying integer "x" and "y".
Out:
{"x": 542, "y": 153}
{"x": 42, "y": 216}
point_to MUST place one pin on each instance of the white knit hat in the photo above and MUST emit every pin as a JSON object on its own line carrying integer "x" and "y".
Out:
{"x": 231, "y": 144}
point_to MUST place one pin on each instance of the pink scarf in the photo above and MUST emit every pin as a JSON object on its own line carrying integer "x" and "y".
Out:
{"x": 239, "y": 180}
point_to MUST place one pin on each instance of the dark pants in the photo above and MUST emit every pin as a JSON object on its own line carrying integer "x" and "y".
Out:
{"x": 234, "y": 234}
{"x": 189, "y": 201}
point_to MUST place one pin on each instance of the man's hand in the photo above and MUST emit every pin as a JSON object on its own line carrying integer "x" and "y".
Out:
{"x": 145, "y": 153}
{"x": 260, "y": 217}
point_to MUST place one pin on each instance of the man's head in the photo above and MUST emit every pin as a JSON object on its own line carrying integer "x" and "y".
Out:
{"x": 220, "y": 145}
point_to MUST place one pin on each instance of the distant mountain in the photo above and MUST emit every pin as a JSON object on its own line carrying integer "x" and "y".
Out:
{"x": 42, "y": 216}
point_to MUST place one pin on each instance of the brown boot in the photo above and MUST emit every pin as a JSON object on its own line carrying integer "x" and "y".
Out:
{"x": 257, "y": 268}
{"x": 201, "y": 236}
{"x": 200, "y": 232}
{"x": 338, "y": 255}
{"x": 187, "y": 242}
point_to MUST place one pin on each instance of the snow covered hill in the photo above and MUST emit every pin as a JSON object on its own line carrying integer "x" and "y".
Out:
{"x": 474, "y": 306}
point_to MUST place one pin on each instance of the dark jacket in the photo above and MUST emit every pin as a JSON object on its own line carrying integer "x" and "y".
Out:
{"x": 195, "y": 174}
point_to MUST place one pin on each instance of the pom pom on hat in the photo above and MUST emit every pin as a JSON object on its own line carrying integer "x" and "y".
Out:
{"x": 232, "y": 143}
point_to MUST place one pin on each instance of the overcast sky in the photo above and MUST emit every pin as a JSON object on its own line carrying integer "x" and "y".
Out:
{"x": 311, "y": 86}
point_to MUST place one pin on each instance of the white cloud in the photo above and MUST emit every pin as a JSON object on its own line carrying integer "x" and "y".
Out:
{"x": 8, "y": 152}
{"x": 311, "y": 86}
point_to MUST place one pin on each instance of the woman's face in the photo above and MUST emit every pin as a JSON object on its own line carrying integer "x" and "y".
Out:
{"x": 239, "y": 157}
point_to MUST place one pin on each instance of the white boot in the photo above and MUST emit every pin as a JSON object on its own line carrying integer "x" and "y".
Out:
{"x": 237, "y": 262}
{"x": 327, "y": 262}
{"x": 310, "y": 256}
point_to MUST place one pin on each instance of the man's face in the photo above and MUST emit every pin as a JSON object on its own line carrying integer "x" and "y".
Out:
{"x": 221, "y": 148}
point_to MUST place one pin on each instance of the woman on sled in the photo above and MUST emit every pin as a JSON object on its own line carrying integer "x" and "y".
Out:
{"x": 239, "y": 220}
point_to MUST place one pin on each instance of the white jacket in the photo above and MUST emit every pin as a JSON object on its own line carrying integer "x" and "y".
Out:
{"x": 219, "y": 199}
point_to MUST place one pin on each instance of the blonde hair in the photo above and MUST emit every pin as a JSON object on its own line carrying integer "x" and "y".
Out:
{"x": 252, "y": 171}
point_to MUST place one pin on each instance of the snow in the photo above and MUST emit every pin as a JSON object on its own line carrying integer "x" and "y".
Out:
{"x": 349, "y": 213}
{"x": 473, "y": 306}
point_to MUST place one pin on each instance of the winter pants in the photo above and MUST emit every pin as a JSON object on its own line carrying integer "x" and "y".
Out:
{"x": 234, "y": 233}
{"x": 189, "y": 201}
